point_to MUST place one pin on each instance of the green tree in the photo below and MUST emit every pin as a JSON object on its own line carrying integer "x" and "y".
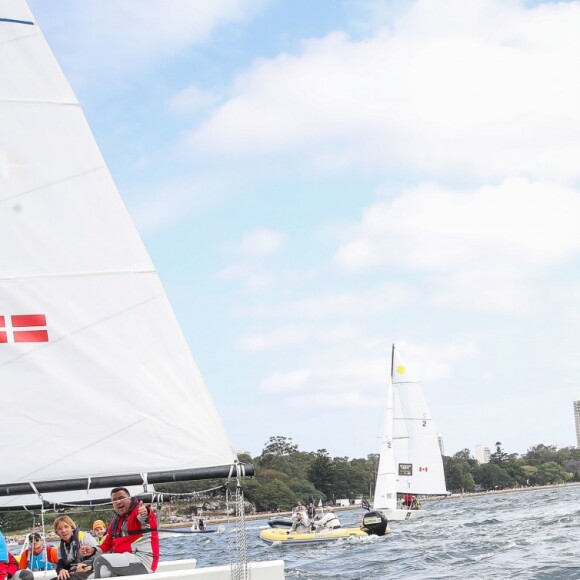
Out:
{"x": 275, "y": 495}
{"x": 500, "y": 456}
{"x": 321, "y": 472}
{"x": 492, "y": 476}
{"x": 279, "y": 446}
{"x": 539, "y": 454}
{"x": 550, "y": 473}
{"x": 458, "y": 476}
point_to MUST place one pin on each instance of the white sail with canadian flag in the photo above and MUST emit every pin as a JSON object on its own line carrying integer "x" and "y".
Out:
{"x": 410, "y": 461}
{"x": 419, "y": 464}
{"x": 99, "y": 387}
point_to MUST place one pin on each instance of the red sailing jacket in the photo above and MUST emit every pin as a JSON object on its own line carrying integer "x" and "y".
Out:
{"x": 8, "y": 569}
{"x": 124, "y": 531}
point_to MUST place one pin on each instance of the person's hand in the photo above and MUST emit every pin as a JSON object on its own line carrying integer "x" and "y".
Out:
{"x": 64, "y": 574}
{"x": 83, "y": 567}
{"x": 142, "y": 510}
{"x": 86, "y": 551}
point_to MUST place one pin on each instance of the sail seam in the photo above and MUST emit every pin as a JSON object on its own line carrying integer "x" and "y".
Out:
{"x": 77, "y": 274}
{"x": 41, "y": 102}
{"x": 53, "y": 183}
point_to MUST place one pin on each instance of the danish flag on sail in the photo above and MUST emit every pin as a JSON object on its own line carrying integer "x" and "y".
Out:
{"x": 23, "y": 328}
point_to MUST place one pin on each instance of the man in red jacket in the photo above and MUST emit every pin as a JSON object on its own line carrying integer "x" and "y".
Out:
{"x": 122, "y": 554}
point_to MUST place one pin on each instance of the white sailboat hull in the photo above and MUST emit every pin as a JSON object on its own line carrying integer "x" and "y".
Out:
{"x": 397, "y": 515}
{"x": 185, "y": 569}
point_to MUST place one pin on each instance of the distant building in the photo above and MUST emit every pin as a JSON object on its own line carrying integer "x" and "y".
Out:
{"x": 482, "y": 454}
{"x": 440, "y": 441}
{"x": 577, "y": 421}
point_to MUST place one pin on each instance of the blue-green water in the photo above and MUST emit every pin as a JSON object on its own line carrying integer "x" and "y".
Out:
{"x": 526, "y": 535}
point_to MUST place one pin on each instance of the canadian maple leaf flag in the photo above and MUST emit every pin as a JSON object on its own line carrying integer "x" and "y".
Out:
{"x": 23, "y": 328}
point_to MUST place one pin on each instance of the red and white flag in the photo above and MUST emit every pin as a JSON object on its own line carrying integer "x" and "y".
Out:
{"x": 23, "y": 328}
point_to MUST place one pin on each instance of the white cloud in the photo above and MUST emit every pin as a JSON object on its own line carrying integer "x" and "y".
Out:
{"x": 481, "y": 248}
{"x": 159, "y": 205}
{"x": 360, "y": 379}
{"x": 298, "y": 335}
{"x": 192, "y": 99}
{"x": 254, "y": 246}
{"x": 357, "y": 303}
{"x": 261, "y": 242}
{"x": 485, "y": 87}
{"x": 142, "y": 31}
{"x": 435, "y": 362}
{"x": 355, "y": 374}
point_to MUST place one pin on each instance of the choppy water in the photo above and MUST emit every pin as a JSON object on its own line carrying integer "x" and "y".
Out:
{"x": 525, "y": 535}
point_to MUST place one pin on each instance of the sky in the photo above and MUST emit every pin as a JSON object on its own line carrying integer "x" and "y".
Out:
{"x": 317, "y": 180}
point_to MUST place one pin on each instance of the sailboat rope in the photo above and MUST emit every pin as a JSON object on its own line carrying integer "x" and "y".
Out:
{"x": 159, "y": 498}
{"x": 239, "y": 557}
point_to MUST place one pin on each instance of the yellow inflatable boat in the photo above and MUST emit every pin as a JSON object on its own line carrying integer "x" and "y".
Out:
{"x": 279, "y": 535}
{"x": 374, "y": 523}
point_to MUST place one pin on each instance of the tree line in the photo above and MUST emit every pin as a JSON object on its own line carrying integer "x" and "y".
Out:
{"x": 285, "y": 475}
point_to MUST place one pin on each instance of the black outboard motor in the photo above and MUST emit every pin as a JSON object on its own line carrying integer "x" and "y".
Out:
{"x": 374, "y": 524}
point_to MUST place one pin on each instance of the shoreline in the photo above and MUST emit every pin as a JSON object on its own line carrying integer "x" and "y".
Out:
{"x": 217, "y": 520}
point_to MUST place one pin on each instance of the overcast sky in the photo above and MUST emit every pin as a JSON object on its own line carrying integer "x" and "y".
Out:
{"x": 317, "y": 179}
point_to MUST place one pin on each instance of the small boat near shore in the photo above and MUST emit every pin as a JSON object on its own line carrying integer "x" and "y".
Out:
{"x": 373, "y": 524}
{"x": 274, "y": 535}
{"x": 280, "y": 522}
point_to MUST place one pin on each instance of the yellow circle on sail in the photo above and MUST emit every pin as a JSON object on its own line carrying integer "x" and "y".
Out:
{"x": 401, "y": 369}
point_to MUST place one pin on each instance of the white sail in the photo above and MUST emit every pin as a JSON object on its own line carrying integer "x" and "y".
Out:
{"x": 98, "y": 381}
{"x": 418, "y": 459}
{"x": 97, "y": 377}
{"x": 410, "y": 460}
{"x": 385, "y": 490}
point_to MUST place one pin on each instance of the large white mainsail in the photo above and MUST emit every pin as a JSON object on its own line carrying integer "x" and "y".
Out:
{"x": 99, "y": 385}
{"x": 410, "y": 458}
{"x": 91, "y": 356}
{"x": 417, "y": 451}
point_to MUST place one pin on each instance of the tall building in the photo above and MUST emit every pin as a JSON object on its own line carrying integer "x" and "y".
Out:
{"x": 482, "y": 453}
{"x": 577, "y": 421}
{"x": 440, "y": 441}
